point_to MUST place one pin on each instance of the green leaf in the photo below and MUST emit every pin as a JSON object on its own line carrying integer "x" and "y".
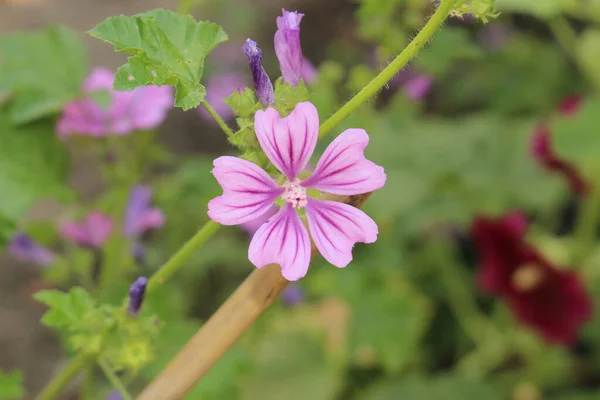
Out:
{"x": 576, "y": 138}
{"x": 388, "y": 325}
{"x": 298, "y": 357}
{"x": 243, "y": 104}
{"x": 11, "y": 385}
{"x": 539, "y": 8}
{"x": 43, "y": 71}
{"x": 33, "y": 165}
{"x": 587, "y": 50}
{"x": 66, "y": 309}
{"x": 167, "y": 48}
{"x": 444, "y": 387}
{"x": 286, "y": 96}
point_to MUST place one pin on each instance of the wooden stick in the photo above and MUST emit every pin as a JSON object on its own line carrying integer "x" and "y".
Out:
{"x": 224, "y": 328}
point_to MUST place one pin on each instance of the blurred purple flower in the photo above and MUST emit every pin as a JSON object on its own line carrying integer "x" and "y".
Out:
{"x": 417, "y": 87}
{"x": 142, "y": 108}
{"x": 136, "y": 295}
{"x": 92, "y": 231}
{"x": 114, "y": 395}
{"x": 287, "y": 46}
{"x": 262, "y": 82}
{"x": 292, "y": 295}
{"x": 26, "y": 250}
{"x": 218, "y": 88}
{"x": 139, "y": 215}
{"x": 309, "y": 72}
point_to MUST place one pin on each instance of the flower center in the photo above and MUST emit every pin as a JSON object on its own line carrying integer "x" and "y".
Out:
{"x": 527, "y": 278}
{"x": 294, "y": 194}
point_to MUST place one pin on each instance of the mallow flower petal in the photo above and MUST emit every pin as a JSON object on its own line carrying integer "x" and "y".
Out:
{"x": 283, "y": 240}
{"x": 343, "y": 168}
{"x": 248, "y": 191}
{"x": 288, "y": 142}
{"x": 335, "y": 228}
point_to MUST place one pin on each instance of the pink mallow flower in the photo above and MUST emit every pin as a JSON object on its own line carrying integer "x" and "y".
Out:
{"x": 142, "y": 108}
{"x": 218, "y": 88}
{"x": 249, "y": 192}
{"x": 92, "y": 231}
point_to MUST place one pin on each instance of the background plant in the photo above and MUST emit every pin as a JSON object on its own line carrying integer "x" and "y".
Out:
{"x": 458, "y": 135}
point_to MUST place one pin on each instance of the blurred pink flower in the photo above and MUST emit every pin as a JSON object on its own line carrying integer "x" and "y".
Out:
{"x": 139, "y": 215}
{"x": 417, "y": 87}
{"x": 142, "y": 108}
{"x": 309, "y": 72}
{"x": 218, "y": 88}
{"x": 248, "y": 192}
{"x": 93, "y": 231}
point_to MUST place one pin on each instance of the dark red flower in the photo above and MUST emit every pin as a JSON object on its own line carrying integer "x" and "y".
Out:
{"x": 550, "y": 301}
{"x": 542, "y": 151}
{"x": 541, "y": 148}
{"x": 569, "y": 105}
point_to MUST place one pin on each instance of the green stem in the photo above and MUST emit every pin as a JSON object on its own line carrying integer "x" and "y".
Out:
{"x": 391, "y": 70}
{"x": 69, "y": 372}
{"x": 88, "y": 384}
{"x": 564, "y": 33}
{"x": 114, "y": 379}
{"x": 217, "y": 118}
{"x": 587, "y": 222}
{"x": 177, "y": 260}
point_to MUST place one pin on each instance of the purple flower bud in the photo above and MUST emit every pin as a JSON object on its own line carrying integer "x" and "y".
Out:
{"x": 292, "y": 295}
{"x": 24, "y": 249}
{"x": 287, "y": 46}
{"x": 262, "y": 83}
{"x": 136, "y": 295}
{"x": 114, "y": 395}
{"x": 309, "y": 72}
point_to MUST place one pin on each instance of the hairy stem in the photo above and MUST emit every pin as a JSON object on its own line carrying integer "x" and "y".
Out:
{"x": 176, "y": 261}
{"x": 391, "y": 70}
{"x": 114, "y": 379}
{"x": 217, "y": 118}
{"x": 68, "y": 373}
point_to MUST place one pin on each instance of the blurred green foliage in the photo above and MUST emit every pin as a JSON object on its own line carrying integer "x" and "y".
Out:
{"x": 405, "y": 320}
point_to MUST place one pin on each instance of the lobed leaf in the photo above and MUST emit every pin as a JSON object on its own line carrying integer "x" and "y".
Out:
{"x": 167, "y": 48}
{"x": 11, "y": 385}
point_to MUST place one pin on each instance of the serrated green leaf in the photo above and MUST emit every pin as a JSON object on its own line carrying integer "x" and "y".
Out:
{"x": 167, "y": 48}
{"x": 243, "y": 104}
{"x": 43, "y": 71}
{"x": 444, "y": 387}
{"x": 33, "y": 165}
{"x": 66, "y": 308}
{"x": 11, "y": 385}
{"x": 286, "y": 96}
{"x": 576, "y": 138}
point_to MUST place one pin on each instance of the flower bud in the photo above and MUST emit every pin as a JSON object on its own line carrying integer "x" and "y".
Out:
{"x": 262, "y": 83}
{"x": 136, "y": 295}
{"x": 287, "y": 46}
